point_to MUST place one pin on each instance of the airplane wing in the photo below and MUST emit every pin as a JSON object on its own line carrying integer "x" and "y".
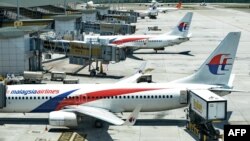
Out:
{"x": 95, "y": 112}
{"x": 138, "y": 74}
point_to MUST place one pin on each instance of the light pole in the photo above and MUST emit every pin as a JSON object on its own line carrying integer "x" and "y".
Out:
{"x": 65, "y": 7}
{"x": 18, "y": 10}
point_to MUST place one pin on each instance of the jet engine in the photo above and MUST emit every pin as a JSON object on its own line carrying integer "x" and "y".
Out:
{"x": 156, "y": 49}
{"x": 59, "y": 118}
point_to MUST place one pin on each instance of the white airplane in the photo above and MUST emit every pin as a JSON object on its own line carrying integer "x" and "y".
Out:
{"x": 153, "y": 11}
{"x": 153, "y": 3}
{"x": 87, "y": 5}
{"x": 65, "y": 103}
{"x": 178, "y": 35}
{"x": 169, "y": 9}
{"x": 156, "y": 5}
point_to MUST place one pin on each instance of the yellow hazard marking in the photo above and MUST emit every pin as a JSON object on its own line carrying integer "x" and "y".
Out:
{"x": 18, "y": 23}
{"x": 66, "y": 136}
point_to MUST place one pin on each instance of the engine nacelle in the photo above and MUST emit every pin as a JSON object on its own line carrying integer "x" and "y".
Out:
{"x": 156, "y": 49}
{"x": 59, "y": 118}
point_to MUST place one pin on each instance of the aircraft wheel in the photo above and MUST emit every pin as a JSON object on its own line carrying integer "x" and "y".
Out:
{"x": 92, "y": 73}
{"x": 201, "y": 136}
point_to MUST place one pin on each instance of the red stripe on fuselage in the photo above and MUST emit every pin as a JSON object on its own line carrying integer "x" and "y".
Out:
{"x": 126, "y": 40}
{"x": 92, "y": 96}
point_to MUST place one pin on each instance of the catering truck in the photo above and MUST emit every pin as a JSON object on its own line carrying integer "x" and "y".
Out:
{"x": 208, "y": 105}
{"x": 204, "y": 108}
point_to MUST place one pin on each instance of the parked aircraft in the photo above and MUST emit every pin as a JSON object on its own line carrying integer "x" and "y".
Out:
{"x": 169, "y": 9}
{"x": 153, "y": 11}
{"x": 153, "y": 3}
{"x": 178, "y": 35}
{"x": 87, "y": 5}
{"x": 65, "y": 103}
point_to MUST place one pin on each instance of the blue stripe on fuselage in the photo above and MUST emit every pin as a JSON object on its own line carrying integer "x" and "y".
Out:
{"x": 51, "y": 104}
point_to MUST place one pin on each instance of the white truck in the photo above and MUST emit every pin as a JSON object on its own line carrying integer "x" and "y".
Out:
{"x": 56, "y": 75}
{"x": 208, "y": 105}
{"x": 32, "y": 77}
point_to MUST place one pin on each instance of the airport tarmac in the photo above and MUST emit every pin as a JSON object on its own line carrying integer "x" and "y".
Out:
{"x": 209, "y": 27}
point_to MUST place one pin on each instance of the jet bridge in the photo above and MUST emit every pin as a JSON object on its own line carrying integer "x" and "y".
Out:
{"x": 85, "y": 54}
{"x": 82, "y": 53}
{"x": 2, "y": 95}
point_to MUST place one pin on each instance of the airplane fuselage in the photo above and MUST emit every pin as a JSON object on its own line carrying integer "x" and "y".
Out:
{"x": 139, "y": 41}
{"x": 112, "y": 97}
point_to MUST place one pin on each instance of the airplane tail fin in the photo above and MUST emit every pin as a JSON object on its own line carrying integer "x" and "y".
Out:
{"x": 216, "y": 70}
{"x": 182, "y": 28}
{"x": 179, "y": 4}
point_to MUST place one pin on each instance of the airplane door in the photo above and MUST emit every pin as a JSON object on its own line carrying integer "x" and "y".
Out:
{"x": 212, "y": 111}
{"x": 145, "y": 42}
{"x": 183, "y": 97}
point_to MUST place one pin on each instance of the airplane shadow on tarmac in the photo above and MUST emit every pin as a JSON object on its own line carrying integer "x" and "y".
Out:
{"x": 187, "y": 53}
{"x": 86, "y": 128}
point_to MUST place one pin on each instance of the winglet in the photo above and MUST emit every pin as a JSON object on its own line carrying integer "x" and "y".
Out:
{"x": 142, "y": 67}
{"x": 133, "y": 78}
{"x": 130, "y": 121}
{"x": 179, "y": 4}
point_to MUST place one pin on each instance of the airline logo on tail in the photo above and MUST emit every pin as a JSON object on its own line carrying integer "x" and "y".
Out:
{"x": 183, "y": 26}
{"x": 218, "y": 64}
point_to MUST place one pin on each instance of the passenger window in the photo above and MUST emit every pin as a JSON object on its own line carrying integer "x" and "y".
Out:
{"x": 132, "y": 96}
{"x": 27, "y": 97}
{"x": 38, "y": 97}
{"x": 167, "y": 96}
{"x": 152, "y": 96}
{"x": 120, "y": 97}
{"x": 156, "y": 96}
{"x": 124, "y": 97}
{"x": 171, "y": 96}
{"x": 136, "y": 96}
{"x": 159, "y": 96}
{"x": 34, "y": 97}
